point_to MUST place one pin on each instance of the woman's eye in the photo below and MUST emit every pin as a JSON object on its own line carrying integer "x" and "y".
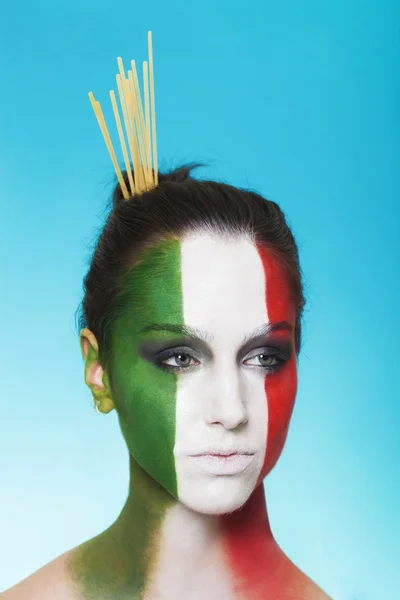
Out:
{"x": 179, "y": 360}
{"x": 268, "y": 361}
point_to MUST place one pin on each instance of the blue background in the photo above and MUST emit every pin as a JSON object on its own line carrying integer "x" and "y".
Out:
{"x": 298, "y": 100}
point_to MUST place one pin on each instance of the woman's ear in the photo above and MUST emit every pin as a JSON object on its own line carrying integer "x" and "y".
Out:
{"x": 95, "y": 376}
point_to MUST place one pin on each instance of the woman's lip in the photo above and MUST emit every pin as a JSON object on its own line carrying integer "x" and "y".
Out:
{"x": 219, "y": 452}
{"x": 223, "y": 464}
{"x": 221, "y": 455}
{"x": 224, "y": 454}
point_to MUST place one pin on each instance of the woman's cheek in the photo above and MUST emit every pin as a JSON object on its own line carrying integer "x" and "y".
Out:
{"x": 147, "y": 398}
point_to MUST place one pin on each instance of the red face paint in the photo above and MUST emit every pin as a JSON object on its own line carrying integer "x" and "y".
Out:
{"x": 280, "y": 387}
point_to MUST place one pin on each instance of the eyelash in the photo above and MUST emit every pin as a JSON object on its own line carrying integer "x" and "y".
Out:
{"x": 270, "y": 369}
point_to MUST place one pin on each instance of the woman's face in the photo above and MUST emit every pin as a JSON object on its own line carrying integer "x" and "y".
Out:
{"x": 203, "y": 369}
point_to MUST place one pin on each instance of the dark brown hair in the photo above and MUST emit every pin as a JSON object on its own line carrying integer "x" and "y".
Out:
{"x": 179, "y": 205}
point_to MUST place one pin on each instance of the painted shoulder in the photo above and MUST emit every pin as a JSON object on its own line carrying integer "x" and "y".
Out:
{"x": 307, "y": 589}
{"x": 48, "y": 583}
{"x": 294, "y": 583}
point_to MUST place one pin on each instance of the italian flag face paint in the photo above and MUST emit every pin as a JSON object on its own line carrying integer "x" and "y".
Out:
{"x": 196, "y": 372}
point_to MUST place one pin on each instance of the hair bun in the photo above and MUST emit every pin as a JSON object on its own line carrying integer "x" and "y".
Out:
{"x": 179, "y": 174}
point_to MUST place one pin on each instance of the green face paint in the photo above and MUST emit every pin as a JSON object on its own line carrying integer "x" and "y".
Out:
{"x": 144, "y": 394}
{"x": 117, "y": 563}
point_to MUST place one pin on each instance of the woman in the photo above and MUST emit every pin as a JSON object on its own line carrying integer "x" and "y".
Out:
{"x": 191, "y": 328}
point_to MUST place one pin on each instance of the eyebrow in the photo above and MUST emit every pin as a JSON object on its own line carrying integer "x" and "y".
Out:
{"x": 205, "y": 336}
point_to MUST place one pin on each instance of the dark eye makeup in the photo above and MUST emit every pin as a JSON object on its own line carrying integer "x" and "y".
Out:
{"x": 273, "y": 357}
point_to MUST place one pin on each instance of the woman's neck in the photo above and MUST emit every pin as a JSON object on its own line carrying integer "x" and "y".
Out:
{"x": 158, "y": 548}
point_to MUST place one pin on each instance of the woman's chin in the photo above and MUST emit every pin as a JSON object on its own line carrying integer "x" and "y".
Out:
{"x": 211, "y": 501}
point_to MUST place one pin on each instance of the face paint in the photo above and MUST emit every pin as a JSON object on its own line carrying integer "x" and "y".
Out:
{"x": 250, "y": 526}
{"x": 280, "y": 387}
{"x": 145, "y": 395}
{"x": 192, "y": 360}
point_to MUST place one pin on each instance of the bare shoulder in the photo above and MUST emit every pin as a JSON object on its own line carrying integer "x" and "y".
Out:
{"x": 48, "y": 583}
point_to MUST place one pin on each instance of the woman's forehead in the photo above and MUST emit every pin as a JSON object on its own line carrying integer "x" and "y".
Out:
{"x": 210, "y": 282}
{"x": 210, "y": 259}
{"x": 223, "y": 282}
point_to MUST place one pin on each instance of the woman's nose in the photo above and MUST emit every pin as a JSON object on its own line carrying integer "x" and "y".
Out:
{"x": 224, "y": 401}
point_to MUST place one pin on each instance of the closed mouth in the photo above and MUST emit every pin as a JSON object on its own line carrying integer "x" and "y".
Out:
{"x": 231, "y": 463}
{"x": 224, "y": 454}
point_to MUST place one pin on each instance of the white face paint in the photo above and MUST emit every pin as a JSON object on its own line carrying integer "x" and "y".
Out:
{"x": 221, "y": 404}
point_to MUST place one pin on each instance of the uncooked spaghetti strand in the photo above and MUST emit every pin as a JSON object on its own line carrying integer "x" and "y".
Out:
{"x": 147, "y": 122}
{"x": 153, "y": 108}
{"x": 139, "y": 135}
{"x": 103, "y": 127}
{"x": 140, "y": 119}
{"x": 122, "y": 141}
